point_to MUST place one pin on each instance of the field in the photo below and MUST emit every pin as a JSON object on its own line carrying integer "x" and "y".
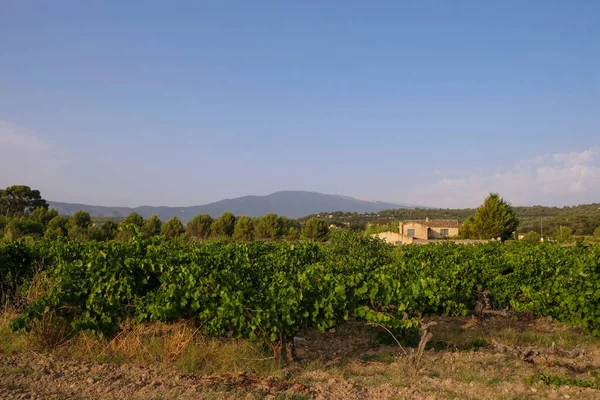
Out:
{"x": 352, "y": 318}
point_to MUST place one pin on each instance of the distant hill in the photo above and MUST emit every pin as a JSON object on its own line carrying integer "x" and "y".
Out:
{"x": 292, "y": 204}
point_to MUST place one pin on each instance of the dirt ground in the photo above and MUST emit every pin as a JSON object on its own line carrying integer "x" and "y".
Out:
{"x": 467, "y": 358}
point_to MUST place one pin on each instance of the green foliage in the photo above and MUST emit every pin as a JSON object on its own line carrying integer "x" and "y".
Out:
{"x": 267, "y": 227}
{"x": 532, "y": 237}
{"x": 316, "y": 230}
{"x": 152, "y": 227}
{"x": 16, "y": 265}
{"x": 173, "y": 228}
{"x": 293, "y": 234}
{"x": 564, "y": 235}
{"x": 378, "y": 228}
{"x": 269, "y": 291}
{"x": 20, "y": 200}
{"x": 80, "y": 219}
{"x": 557, "y": 380}
{"x": 128, "y": 225}
{"x": 495, "y": 218}
{"x": 106, "y": 231}
{"x": 18, "y": 227}
{"x": 597, "y": 234}
{"x": 57, "y": 227}
{"x": 223, "y": 226}
{"x": 135, "y": 219}
{"x": 199, "y": 226}
{"x": 244, "y": 229}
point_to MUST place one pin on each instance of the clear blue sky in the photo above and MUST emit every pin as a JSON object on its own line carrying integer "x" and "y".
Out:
{"x": 181, "y": 103}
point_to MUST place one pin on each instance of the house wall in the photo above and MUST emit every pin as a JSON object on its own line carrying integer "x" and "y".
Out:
{"x": 393, "y": 237}
{"x": 420, "y": 230}
{"x": 434, "y": 232}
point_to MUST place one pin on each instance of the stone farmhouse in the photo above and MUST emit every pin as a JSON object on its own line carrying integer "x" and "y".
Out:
{"x": 421, "y": 231}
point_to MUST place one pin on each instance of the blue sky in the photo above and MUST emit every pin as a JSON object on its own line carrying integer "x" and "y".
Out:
{"x": 183, "y": 103}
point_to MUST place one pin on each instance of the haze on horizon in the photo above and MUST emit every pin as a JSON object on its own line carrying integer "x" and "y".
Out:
{"x": 185, "y": 103}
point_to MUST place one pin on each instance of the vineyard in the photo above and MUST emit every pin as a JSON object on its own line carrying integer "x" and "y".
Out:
{"x": 269, "y": 291}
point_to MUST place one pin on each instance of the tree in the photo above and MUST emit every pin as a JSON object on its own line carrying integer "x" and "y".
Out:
{"x": 223, "y": 226}
{"x": 22, "y": 226}
{"x": 125, "y": 233}
{"x": 57, "y": 226}
{"x": 597, "y": 233}
{"x": 20, "y": 200}
{"x": 564, "y": 234}
{"x": 293, "y": 234}
{"x": 173, "y": 228}
{"x": 152, "y": 227}
{"x": 43, "y": 215}
{"x": 244, "y": 229}
{"x": 80, "y": 219}
{"x": 316, "y": 230}
{"x": 103, "y": 232}
{"x": 532, "y": 237}
{"x": 135, "y": 219}
{"x": 199, "y": 226}
{"x": 267, "y": 227}
{"x": 78, "y": 225}
{"x": 290, "y": 228}
{"x": 494, "y": 218}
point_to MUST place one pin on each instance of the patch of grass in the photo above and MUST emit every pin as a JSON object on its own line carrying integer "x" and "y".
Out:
{"x": 213, "y": 356}
{"x": 14, "y": 370}
{"x": 11, "y": 342}
{"x": 564, "y": 338}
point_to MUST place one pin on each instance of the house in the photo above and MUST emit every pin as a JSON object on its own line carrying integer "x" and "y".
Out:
{"x": 421, "y": 231}
{"x": 429, "y": 229}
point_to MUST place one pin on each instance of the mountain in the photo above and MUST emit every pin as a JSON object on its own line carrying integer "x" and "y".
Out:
{"x": 292, "y": 204}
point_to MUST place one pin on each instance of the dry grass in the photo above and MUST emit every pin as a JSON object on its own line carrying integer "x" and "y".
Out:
{"x": 179, "y": 345}
{"x": 352, "y": 362}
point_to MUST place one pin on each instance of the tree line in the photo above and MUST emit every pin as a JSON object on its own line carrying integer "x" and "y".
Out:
{"x": 24, "y": 213}
{"x": 582, "y": 220}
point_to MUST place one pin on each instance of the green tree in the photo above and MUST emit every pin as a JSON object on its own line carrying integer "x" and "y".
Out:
{"x": 532, "y": 237}
{"x": 316, "y": 230}
{"x": 20, "y": 200}
{"x": 267, "y": 227}
{"x": 173, "y": 228}
{"x": 105, "y": 231}
{"x": 597, "y": 233}
{"x": 293, "y": 234}
{"x": 80, "y": 219}
{"x": 78, "y": 226}
{"x": 244, "y": 229}
{"x": 43, "y": 215}
{"x": 564, "y": 234}
{"x": 57, "y": 226}
{"x": 494, "y": 218}
{"x": 125, "y": 232}
{"x": 290, "y": 228}
{"x": 199, "y": 226}
{"x": 22, "y": 226}
{"x": 223, "y": 226}
{"x": 152, "y": 227}
{"x": 134, "y": 219}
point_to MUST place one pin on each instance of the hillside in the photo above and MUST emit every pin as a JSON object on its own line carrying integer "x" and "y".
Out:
{"x": 292, "y": 204}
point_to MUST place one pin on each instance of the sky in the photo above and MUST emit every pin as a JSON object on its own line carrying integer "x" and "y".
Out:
{"x": 435, "y": 103}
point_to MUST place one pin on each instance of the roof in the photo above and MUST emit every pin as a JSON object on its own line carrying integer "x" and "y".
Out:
{"x": 434, "y": 223}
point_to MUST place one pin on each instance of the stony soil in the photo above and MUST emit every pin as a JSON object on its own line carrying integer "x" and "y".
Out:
{"x": 344, "y": 364}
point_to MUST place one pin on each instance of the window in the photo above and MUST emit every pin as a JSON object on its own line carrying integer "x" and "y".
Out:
{"x": 444, "y": 232}
{"x": 411, "y": 232}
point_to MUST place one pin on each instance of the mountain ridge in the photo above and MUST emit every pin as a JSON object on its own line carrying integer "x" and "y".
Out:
{"x": 289, "y": 203}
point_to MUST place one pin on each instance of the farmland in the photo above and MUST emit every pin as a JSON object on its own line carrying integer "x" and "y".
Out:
{"x": 269, "y": 295}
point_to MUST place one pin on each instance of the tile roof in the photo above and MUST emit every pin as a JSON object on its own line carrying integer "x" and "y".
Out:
{"x": 434, "y": 223}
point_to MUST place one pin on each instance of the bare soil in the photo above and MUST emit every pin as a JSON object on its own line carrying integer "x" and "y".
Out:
{"x": 468, "y": 358}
